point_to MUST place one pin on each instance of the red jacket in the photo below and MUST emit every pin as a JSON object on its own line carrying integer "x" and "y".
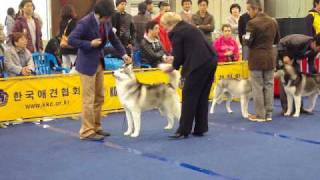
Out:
{"x": 21, "y": 25}
{"x": 163, "y": 35}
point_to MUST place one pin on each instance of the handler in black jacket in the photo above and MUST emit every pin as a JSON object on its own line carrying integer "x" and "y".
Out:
{"x": 192, "y": 51}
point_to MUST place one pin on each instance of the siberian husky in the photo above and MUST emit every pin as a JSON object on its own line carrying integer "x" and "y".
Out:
{"x": 298, "y": 85}
{"x": 137, "y": 97}
{"x": 233, "y": 88}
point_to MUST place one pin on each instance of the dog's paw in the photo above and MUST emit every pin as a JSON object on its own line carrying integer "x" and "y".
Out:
{"x": 230, "y": 112}
{"x": 127, "y": 133}
{"x": 134, "y": 135}
{"x": 296, "y": 115}
{"x": 168, "y": 127}
{"x": 211, "y": 111}
{"x": 287, "y": 114}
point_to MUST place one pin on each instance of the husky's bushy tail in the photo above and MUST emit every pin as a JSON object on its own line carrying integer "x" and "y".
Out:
{"x": 174, "y": 76}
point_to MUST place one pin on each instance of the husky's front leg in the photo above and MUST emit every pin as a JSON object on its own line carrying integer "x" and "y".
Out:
{"x": 136, "y": 116}
{"x": 213, "y": 105}
{"x": 297, "y": 102}
{"x": 290, "y": 103}
{"x": 228, "y": 102}
{"x": 244, "y": 100}
{"x": 129, "y": 122}
{"x": 312, "y": 101}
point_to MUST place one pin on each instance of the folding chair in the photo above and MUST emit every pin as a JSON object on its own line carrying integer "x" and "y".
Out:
{"x": 42, "y": 64}
{"x": 137, "y": 60}
{"x": 3, "y": 73}
{"x": 111, "y": 63}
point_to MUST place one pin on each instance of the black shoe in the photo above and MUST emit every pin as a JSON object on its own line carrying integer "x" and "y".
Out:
{"x": 103, "y": 133}
{"x": 93, "y": 137}
{"x": 178, "y": 136}
{"x": 197, "y": 134}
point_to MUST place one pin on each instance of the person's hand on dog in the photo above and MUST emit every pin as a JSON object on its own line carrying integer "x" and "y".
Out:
{"x": 287, "y": 60}
{"x": 169, "y": 59}
{"x": 167, "y": 68}
{"x": 127, "y": 59}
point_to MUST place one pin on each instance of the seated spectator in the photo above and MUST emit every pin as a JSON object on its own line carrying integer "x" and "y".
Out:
{"x": 152, "y": 52}
{"x": 226, "y": 46}
{"x": 2, "y": 38}
{"x": 18, "y": 59}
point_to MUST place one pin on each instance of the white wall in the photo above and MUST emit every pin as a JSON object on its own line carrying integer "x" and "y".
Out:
{"x": 42, "y": 8}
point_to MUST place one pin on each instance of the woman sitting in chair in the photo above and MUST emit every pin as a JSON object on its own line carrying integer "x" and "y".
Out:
{"x": 226, "y": 46}
{"x": 18, "y": 59}
{"x": 152, "y": 52}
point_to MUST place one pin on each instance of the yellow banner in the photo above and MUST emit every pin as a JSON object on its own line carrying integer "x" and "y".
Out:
{"x": 60, "y": 95}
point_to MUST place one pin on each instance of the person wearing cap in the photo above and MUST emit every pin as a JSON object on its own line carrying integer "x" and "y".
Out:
{"x": 163, "y": 35}
{"x": 140, "y": 20}
{"x": 90, "y": 36}
{"x": 122, "y": 22}
{"x": 186, "y": 13}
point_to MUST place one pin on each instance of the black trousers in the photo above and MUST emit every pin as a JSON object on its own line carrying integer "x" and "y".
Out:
{"x": 195, "y": 94}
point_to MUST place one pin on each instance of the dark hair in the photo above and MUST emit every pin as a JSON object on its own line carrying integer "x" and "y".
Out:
{"x": 16, "y": 36}
{"x": 150, "y": 25}
{"x": 119, "y": 2}
{"x": 148, "y": 2}
{"x": 10, "y": 11}
{"x": 235, "y": 6}
{"x": 200, "y": 1}
{"x": 316, "y": 38}
{"x": 315, "y": 2}
{"x": 183, "y": 1}
{"x": 142, "y": 8}
{"x": 225, "y": 26}
{"x": 67, "y": 12}
{"x": 24, "y": 2}
{"x": 163, "y": 4}
{"x": 255, "y": 4}
{"x": 104, "y": 8}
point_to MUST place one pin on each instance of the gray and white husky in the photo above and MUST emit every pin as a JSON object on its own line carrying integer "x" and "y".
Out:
{"x": 137, "y": 97}
{"x": 231, "y": 88}
{"x": 298, "y": 85}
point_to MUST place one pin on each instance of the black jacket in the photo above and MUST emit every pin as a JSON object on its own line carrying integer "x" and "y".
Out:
{"x": 71, "y": 26}
{"x": 190, "y": 48}
{"x": 244, "y": 19}
{"x": 151, "y": 52}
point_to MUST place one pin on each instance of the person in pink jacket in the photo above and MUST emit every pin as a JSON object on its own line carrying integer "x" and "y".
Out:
{"x": 226, "y": 46}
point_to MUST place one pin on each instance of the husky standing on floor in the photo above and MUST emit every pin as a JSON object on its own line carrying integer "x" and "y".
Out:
{"x": 233, "y": 88}
{"x": 137, "y": 97}
{"x": 298, "y": 85}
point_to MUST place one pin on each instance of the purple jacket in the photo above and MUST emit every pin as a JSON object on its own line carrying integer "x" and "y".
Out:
{"x": 88, "y": 57}
{"x": 21, "y": 25}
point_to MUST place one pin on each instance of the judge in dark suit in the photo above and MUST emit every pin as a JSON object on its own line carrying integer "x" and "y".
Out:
{"x": 192, "y": 51}
{"x": 90, "y": 36}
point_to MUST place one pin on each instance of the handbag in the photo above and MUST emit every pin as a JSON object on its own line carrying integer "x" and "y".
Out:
{"x": 64, "y": 37}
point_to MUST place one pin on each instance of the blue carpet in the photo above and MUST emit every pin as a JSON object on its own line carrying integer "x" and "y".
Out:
{"x": 234, "y": 148}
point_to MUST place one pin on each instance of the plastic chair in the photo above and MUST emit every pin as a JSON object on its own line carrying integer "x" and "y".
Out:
{"x": 137, "y": 60}
{"x": 111, "y": 63}
{"x": 3, "y": 73}
{"x": 42, "y": 64}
